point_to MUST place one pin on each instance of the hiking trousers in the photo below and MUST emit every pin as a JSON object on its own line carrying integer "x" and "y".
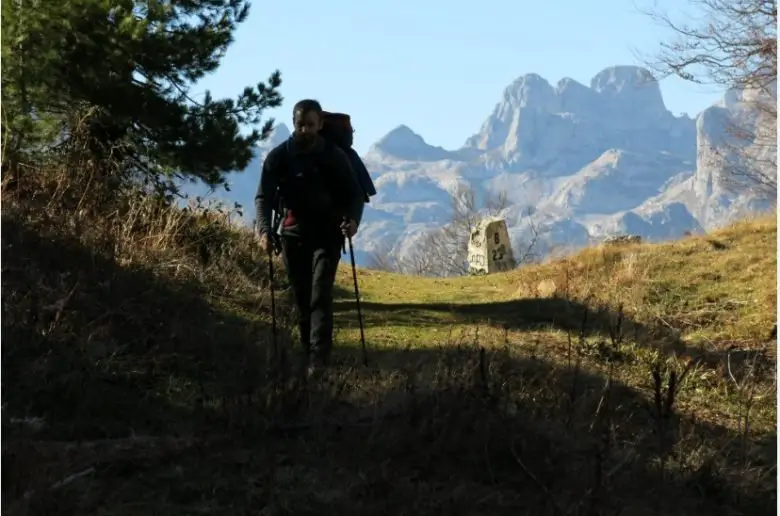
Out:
{"x": 311, "y": 270}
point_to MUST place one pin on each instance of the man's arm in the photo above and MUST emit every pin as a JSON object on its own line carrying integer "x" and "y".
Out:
{"x": 266, "y": 194}
{"x": 347, "y": 180}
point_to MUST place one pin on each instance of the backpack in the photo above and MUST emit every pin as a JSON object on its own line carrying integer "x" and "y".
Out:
{"x": 337, "y": 128}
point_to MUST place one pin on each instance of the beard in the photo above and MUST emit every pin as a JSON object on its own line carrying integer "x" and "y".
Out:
{"x": 305, "y": 139}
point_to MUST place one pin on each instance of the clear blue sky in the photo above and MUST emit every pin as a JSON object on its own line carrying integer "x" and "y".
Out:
{"x": 438, "y": 66}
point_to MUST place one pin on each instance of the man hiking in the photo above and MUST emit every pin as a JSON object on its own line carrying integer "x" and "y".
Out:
{"x": 311, "y": 183}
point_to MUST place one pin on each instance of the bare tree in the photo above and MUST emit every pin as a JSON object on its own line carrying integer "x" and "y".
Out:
{"x": 385, "y": 259}
{"x": 417, "y": 262}
{"x": 732, "y": 44}
{"x": 443, "y": 251}
{"x": 529, "y": 247}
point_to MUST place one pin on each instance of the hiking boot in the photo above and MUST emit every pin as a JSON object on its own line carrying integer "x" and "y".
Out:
{"x": 314, "y": 372}
{"x": 302, "y": 363}
{"x": 316, "y": 368}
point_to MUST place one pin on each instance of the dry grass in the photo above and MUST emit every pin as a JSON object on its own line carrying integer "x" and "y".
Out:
{"x": 598, "y": 384}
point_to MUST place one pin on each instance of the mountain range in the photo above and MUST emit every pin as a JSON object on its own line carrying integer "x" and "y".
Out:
{"x": 577, "y": 163}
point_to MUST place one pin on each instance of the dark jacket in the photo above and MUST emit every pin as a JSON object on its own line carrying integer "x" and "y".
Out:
{"x": 317, "y": 188}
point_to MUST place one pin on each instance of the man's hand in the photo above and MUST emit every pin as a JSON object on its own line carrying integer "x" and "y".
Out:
{"x": 265, "y": 242}
{"x": 348, "y": 228}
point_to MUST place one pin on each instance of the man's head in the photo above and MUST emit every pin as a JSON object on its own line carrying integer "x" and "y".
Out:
{"x": 307, "y": 121}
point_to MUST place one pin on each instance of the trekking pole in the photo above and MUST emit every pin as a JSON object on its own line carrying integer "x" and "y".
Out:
{"x": 273, "y": 248}
{"x": 273, "y": 298}
{"x": 357, "y": 301}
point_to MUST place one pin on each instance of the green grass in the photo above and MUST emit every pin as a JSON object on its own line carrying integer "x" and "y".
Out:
{"x": 713, "y": 289}
{"x": 141, "y": 335}
{"x": 696, "y": 297}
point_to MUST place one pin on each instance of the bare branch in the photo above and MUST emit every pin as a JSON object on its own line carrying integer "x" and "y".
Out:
{"x": 386, "y": 259}
{"x": 731, "y": 44}
{"x": 528, "y": 251}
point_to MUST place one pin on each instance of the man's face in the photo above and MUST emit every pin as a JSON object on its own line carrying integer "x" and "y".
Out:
{"x": 307, "y": 125}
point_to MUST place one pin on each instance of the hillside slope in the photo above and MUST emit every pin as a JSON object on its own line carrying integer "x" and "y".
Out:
{"x": 138, "y": 336}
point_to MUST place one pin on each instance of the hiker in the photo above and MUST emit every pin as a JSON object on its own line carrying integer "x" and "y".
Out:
{"x": 310, "y": 182}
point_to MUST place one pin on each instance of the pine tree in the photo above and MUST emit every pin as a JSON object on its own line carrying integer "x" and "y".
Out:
{"x": 132, "y": 64}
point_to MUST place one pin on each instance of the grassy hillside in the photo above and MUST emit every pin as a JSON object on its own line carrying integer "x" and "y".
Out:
{"x": 139, "y": 376}
{"x": 702, "y": 298}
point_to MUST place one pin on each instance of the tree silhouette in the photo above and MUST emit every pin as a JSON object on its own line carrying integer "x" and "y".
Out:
{"x": 124, "y": 70}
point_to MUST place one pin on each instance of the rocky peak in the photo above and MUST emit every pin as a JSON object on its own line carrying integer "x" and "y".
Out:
{"x": 279, "y": 134}
{"x": 621, "y": 79}
{"x": 404, "y": 143}
{"x": 575, "y": 97}
{"x": 630, "y": 86}
{"x": 536, "y": 125}
{"x": 530, "y": 90}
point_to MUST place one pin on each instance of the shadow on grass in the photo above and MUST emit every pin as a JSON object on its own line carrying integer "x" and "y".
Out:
{"x": 449, "y": 431}
{"x": 108, "y": 350}
{"x": 440, "y": 436}
{"x": 522, "y": 314}
{"x": 514, "y": 315}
